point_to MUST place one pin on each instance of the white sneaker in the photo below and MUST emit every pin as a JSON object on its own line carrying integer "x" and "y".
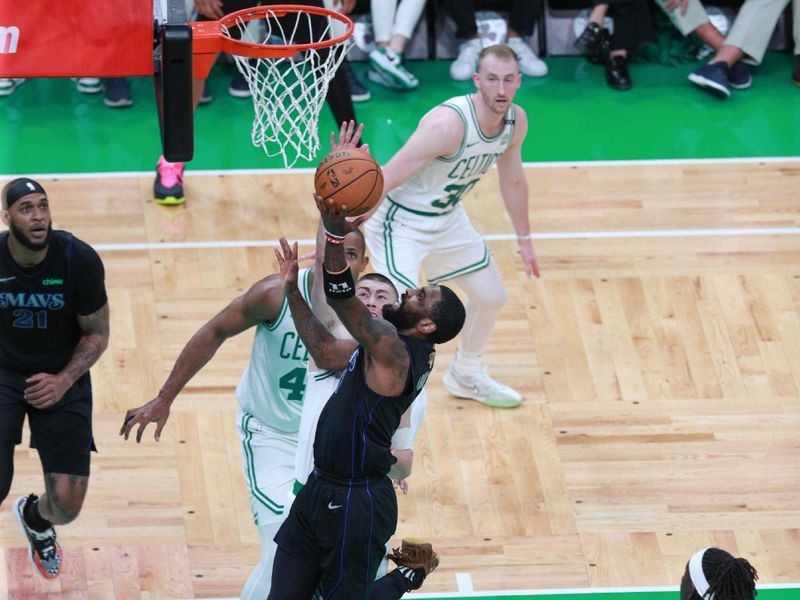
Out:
{"x": 88, "y": 85}
{"x": 387, "y": 62}
{"x": 9, "y": 86}
{"x": 466, "y": 63}
{"x": 479, "y": 386}
{"x": 529, "y": 63}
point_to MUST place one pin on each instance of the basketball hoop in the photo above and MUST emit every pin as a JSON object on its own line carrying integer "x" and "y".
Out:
{"x": 288, "y": 80}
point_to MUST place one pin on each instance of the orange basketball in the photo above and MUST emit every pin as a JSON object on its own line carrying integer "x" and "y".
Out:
{"x": 351, "y": 178}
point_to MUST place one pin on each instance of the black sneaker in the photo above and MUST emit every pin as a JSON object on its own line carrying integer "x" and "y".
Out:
{"x": 358, "y": 92}
{"x": 713, "y": 78}
{"x": 45, "y": 553}
{"x": 589, "y": 41}
{"x": 117, "y": 93}
{"x": 739, "y": 76}
{"x": 599, "y": 56}
{"x": 796, "y": 72}
{"x": 239, "y": 87}
{"x": 617, "y": 76}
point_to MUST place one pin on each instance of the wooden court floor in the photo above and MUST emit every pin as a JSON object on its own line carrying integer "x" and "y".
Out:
{"x": 659, "y": 356}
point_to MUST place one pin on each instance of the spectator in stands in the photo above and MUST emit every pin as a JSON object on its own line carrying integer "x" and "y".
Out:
{"x": 520, "y": 25}
{"x": 715, "y": 573}
{"x": 633, "y": 25}
{"x": 747, "y": 40}
{"x": 393, "y": 24}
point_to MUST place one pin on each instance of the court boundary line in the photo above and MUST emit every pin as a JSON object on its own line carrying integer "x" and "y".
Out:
{"x": 573, "y": 591}
{"x": 530, "y": 164}
{"x": 494, "y": 237}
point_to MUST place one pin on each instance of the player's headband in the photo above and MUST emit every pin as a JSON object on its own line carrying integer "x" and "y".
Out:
{"x": 16, "y": 189}
{"x": 697, "y": 576}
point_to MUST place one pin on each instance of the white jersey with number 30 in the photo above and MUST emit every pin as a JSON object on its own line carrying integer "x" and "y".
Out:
{"x": 438, "y": 187}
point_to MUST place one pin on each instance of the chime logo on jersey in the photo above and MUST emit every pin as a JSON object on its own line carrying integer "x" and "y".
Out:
{"x": 23, "y": 300}
{"x": 9, "y": 39}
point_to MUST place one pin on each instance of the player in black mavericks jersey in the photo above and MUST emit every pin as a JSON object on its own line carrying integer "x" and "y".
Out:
{"x": 53, "y": 327}
{"x": 335, "y": 535}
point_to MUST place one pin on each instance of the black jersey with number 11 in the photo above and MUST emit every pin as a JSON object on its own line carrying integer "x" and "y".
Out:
{"x": 355, "y": 428}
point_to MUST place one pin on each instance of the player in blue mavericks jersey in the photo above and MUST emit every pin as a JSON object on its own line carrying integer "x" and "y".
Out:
{"x": 335, "y": 534}
{"x": 53, "y": 328}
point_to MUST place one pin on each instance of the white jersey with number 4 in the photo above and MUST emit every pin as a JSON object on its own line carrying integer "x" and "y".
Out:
{"x": 273, "y": 385}
{"x": 438, "y": 187}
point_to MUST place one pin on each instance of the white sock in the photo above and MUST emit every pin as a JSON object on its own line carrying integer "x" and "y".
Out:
{"x": 259, "y": 583}
{"x": 486, "y": 295}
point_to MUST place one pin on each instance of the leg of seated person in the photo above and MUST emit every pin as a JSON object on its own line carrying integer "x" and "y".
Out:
{"x": 751, "y": 31}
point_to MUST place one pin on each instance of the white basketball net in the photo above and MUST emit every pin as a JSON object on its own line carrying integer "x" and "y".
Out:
{"x": 288, "y": 93}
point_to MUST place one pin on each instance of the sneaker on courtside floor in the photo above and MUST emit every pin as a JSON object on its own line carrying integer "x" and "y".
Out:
{"x": 9, "y": 85}
{"x": 168, "y": 188}
{"x": 88, "y": 85}
{"x": 462, "y": 68}
{"x": 529, "y": 64}
{"x": 390, "y": 64}
{"x": 45, "y": 553}
{"x": 479, "y": 386}
{"x": 416, "y": 554}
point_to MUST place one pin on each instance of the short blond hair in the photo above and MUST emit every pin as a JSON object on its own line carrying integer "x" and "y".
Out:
{"x": 499, "y": 51}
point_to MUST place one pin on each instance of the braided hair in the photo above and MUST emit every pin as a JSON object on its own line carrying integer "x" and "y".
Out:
{"x": 728, "y": 578}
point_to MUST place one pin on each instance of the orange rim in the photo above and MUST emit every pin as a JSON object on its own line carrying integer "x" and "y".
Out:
{"x": 208, "y": 38}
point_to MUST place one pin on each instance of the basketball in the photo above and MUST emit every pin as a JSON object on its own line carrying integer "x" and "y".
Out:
{"x": 351, "y": 178}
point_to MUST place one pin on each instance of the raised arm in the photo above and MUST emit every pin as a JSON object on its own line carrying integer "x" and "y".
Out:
{"x": 439, "y": 133}
{"x": 387, "y": 359}
{"x": 327, "y": 351}
{"x": 514, "y": 190}
{"x": 260, "y": 303}
{"x": 45, "y": 389}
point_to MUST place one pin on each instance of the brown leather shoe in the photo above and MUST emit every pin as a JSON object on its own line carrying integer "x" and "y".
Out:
{"x": 416, "y": 554}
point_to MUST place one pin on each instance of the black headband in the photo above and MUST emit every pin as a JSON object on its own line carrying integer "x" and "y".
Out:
{"x": 16, "y": 189}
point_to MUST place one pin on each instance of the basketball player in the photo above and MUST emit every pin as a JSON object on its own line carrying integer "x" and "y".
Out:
{"x": 713, "y": 573}
{"x": 335, "y": 534}
{"x": 53, "y": 328}
{"x": 270, "y": 394}
{"x": 423, "y": 223}
{"x": 330, "y": 349}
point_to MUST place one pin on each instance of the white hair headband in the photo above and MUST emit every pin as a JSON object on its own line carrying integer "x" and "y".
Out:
{"x": 697, "y": 576}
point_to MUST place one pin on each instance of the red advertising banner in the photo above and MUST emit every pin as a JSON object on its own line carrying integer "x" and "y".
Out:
{"x": 76, "y": 38}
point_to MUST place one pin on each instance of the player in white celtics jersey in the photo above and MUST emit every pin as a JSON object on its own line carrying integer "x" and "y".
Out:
{"x": 422, "y": 223}
{"x": 270, "y": 394}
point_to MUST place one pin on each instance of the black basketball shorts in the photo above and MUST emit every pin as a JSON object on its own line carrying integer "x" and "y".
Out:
{"x": 62, "y": 433}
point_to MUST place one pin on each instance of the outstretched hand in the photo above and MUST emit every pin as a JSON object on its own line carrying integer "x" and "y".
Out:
{"x": 334, "y": 219}
{"x": 287, "y": 262}
{"x": 529, "y": 259}
{"x": 156, "y": 411}
{"x": 349, "y": 136}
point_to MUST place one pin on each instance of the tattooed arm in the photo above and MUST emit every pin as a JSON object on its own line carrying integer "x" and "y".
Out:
{"x": 45, "y": 389}
{"x": 327, "y": 351}
{"x": 387, "y": 361}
